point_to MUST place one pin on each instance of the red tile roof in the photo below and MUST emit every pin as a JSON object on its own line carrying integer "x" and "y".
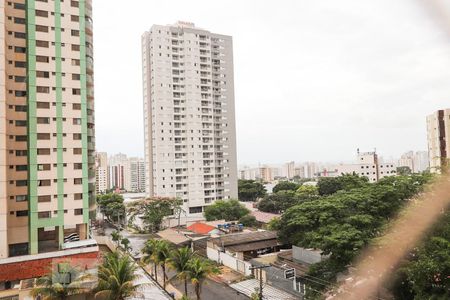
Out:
{"x": 201, "y": 228}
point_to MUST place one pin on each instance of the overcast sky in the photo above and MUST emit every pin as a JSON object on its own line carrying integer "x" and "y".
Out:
{"x": 314, "y": 80}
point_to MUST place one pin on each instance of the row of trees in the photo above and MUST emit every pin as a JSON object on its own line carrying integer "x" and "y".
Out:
{"x": 229, "y": 210}
{"x": 187, "y": 264}
{"x": 346, "y": 215}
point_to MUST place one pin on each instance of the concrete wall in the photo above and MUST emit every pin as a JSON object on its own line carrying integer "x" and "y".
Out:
{"x": 229, "y": 261}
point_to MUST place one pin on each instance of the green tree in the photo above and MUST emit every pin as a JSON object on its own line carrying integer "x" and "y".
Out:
{"x": 307, "y": 192}
{"x": 404, "y": 170}
{"x": 149, "y": 252}
{"x": 126, "y": 244}
{"x": 285, "y": 186}
{"x": 279, "y": 202}
{"x": 117, "y": 278}
{"x": 199, "y": 270}
{"x": 346, "y": 182}
{"x": 152, "y": 211}
{"x": 112, "y": 207}
{"x": 116, "y": 237}
{"x": 179, "y": 260}
{"x": 161, "y": 257}
{"x": 248, "y": 220}
{"x": 274, "y": 224}
{"x": 60, "y": 284}
{"x": 250, "y": 190}
{"x": 229, "y": 210}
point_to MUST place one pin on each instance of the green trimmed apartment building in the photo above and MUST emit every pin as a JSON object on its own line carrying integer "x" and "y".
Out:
{"x": 47, "y": 140}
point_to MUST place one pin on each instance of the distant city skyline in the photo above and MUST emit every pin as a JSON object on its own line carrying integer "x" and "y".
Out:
{"x": 356, "y": 74}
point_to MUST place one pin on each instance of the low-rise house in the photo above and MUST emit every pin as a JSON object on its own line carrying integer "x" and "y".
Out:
{"x": 202, "y": 228}
{"x": 235, "y": 250}
{"x": 180, "y": 237}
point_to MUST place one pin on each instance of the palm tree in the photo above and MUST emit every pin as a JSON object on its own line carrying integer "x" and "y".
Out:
{"x": 179, "y": 261}
{"x": 149, "y": 251}
{"x": 161, "y": 256}
{"x": 116, "y": 278}
{"x": 199, "y": 270}
{"x": 59, "y": 284}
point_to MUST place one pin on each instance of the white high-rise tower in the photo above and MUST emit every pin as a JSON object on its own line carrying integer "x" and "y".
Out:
{"x": 189, "y": 119}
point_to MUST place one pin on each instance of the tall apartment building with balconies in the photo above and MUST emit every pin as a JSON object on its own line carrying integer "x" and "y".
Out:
{"x": 47, "y": 176}
{"x": 189, "y": 119}
{"x": 137, "y": 174}
{"x": 438, "y": 132}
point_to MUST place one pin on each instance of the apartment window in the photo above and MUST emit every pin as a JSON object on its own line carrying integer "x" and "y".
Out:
{"x": 75, "y": 47}
{"x": 43, "y": 89}
{"x": 78, "y": 196}
{"x": 43, "y": 44}
{"x": 43, "y": 120}
{"x": 75, "y": 76}
{"x": 77, "y": 151}
{"x": 41, "y": 13}
{"x": 46, "y": 198}
{"x": 43, "y": 105}
{"x": 21, "y": 168}
{"x": 21, "y": 198}
{"x": 74, "y": 32}
{"x": 18, "y": 249}
{"x": 78, "y": 181}
{"x": 19, "y": 20}
{"x": 20, "y": 35}
{"x": 43, "y": 59}
{"x": 76, "y": 91}
{"x": 43, "y": 151}
{"x": 43, "y": 214}
{"x": 43, "y": 167}
{"x": 77, "y": 136}
{"x": 21, "y": 138}
{"x": 21, "y": 123}
{"x": 41, "y": 28}
{"x": 20, "y": 64}
{"x": 21, "y": 182}
{"x": 77, "y": 166}
{"x": 42, "y": 74}
{"x": 74, "y": 3}
{"x": 20, "y": 108}
{"x": 43, "y": 136}
{"x": 18, "y": 49}
{"x": 76, "y": 121}
{"x": 20, "y": 93}
{"x": 21, "y": 152}
{"x": 19, "y": 6}
{"x": 20, "y": 79}
{"x": 45, "y": 182}
{"x": 76, "y": 106}
{"x": 74, "y": 18}
{"x": 22, "y": 213}
{"x": 75, "y": 62}
{"x": 195, "y": 209}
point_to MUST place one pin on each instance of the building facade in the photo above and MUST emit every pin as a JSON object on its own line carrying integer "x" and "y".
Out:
{"x": 119, "y": 172}
{"x": 189, "y": 119}
{"x": 137, "y": 175}
{"x": 47, "y": 176}
{"x": 438, "y": 130}
{"x": 101, "y": 173}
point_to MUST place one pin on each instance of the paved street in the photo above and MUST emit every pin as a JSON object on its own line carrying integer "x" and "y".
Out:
{"x": 210, "y": 289}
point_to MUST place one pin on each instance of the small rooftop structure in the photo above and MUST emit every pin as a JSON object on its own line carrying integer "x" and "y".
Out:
{"x": 243, "y": 238}
{"x": 179, "y": 237}
{"x": 201, "y": 228}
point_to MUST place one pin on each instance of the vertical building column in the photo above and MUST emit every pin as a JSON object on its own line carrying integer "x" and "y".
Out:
{"x": 32, "y": 127}
{"x": 3, "y": 151}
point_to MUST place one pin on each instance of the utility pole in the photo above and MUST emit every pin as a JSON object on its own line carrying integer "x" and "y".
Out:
{"x": 260, "y": 278}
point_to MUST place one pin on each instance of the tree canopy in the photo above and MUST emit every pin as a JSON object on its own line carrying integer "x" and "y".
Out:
{"x": 250, "y": 190}
{"x": 345, "y": 221}
{"x": 112, "y": 206}
{"x": 285, "y": 186}
{"x": 346, "y": 182}
{"x": 153, "y": 210}
{"x": 280, "y": 201}
{"x": 228, "y": 210}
